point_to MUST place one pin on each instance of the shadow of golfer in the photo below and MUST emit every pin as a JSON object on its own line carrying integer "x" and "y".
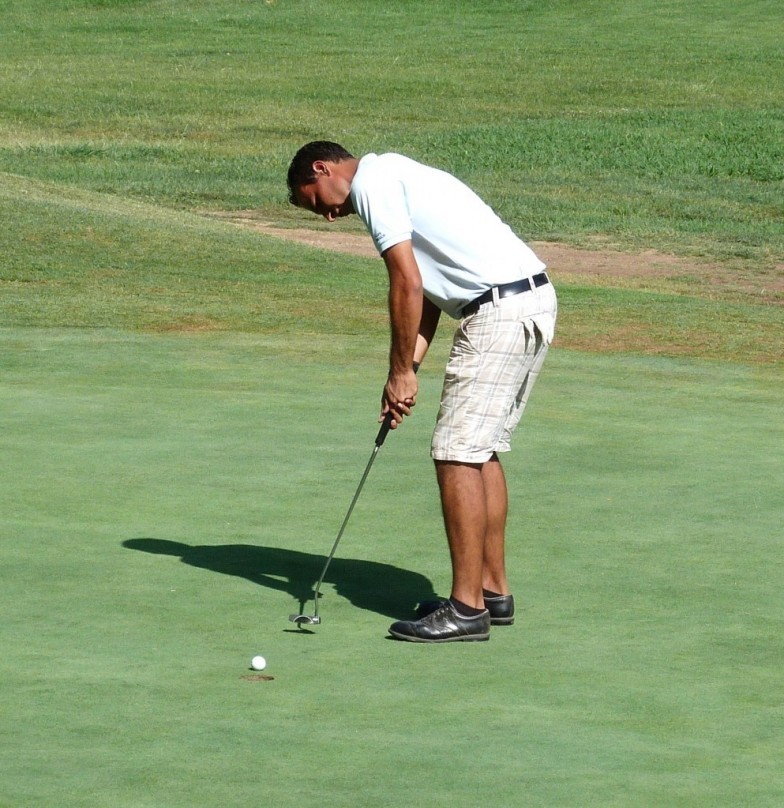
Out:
{"x": 375, "y": 587}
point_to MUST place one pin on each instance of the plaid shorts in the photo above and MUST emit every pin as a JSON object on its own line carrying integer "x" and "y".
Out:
{"x": 496, "y": 357}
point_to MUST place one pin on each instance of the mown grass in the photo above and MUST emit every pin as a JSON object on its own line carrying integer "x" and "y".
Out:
{"x": 86, "y": 260}
{"x": 186, "y": 407}
{"x": 166, "y": 499}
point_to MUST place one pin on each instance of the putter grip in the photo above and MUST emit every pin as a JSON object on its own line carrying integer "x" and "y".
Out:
{"x": 384, "y": 431}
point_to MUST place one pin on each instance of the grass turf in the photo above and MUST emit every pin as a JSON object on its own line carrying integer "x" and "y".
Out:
{"x": 182, "y": 405}
{"x": 644, "y": 667}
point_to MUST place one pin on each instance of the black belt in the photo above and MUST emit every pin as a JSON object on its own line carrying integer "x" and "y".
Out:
{"x": 505, "y": 290}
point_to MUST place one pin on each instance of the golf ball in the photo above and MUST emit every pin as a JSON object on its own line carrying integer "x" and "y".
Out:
{"x": 258, "y": 663}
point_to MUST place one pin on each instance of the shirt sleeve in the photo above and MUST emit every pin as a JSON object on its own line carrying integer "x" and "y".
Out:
{"x": 381, "y": 203}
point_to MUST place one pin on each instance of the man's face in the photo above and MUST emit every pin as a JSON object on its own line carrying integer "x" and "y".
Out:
{"x": 328, "y": 194}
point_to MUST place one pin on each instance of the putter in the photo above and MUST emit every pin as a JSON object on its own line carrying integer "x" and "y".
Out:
{"x": 314, "y": 619}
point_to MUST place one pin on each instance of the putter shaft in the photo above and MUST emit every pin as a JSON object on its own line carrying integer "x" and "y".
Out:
{"x": 379, "y": 442}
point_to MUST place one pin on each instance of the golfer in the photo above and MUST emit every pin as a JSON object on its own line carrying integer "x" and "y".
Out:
{"x": 446, "y": 251}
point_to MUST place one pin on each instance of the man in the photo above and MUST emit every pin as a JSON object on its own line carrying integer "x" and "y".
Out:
{"x": 446, "y": 250}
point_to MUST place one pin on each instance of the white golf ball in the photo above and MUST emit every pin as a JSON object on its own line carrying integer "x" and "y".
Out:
{"x": 258, "y": 663}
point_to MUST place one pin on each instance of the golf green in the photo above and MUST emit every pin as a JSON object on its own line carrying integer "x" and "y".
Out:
{"x": 166, "y": 501}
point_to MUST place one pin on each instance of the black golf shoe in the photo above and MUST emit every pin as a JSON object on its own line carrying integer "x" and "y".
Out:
{"x": 501, "y": 608}
{"x": 444, "y": 624}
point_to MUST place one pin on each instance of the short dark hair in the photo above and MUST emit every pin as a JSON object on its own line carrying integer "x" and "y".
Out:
{"x": 301, "y": 168}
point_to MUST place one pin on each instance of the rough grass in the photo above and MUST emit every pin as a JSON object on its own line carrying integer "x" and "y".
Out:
{"x": 652, "y": 125}
{"x": 81, "y": 259}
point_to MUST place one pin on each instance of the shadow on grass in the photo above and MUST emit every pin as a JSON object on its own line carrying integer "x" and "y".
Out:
{"x": 381, "y": 588}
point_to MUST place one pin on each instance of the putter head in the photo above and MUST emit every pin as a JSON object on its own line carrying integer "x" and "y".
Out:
{"x": 305, "y": 619}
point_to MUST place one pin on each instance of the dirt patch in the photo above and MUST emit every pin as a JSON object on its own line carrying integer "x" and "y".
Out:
{"x": 651, "y": 270}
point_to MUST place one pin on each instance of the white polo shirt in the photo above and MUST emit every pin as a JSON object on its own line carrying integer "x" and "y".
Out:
{"x": 461, "y": 246}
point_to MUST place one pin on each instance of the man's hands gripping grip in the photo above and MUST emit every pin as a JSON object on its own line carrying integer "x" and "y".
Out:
{"x": 399, "y": 396}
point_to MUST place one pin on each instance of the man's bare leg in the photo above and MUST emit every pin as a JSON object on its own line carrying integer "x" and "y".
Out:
{"x": 464, "y": 505}
{"x": 497, "y": 503}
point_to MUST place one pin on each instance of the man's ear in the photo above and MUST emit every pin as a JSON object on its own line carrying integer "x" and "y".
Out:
{"x": 321, "y": 168}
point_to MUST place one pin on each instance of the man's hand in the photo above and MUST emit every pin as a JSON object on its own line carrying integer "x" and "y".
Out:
{"x": 399, "y": 396}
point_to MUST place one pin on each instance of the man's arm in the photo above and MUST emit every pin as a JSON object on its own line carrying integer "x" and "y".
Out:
{"x": 405, "y": 316}
{"x": 427, "y": 329}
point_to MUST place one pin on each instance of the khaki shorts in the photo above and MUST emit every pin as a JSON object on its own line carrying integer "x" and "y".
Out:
{"x": 496, "y": 357}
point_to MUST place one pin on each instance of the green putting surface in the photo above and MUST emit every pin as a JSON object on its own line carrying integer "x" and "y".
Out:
{"x": 166, "y": 501}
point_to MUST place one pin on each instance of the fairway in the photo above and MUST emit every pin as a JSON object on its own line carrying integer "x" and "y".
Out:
{"x": 189, "y": 396}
